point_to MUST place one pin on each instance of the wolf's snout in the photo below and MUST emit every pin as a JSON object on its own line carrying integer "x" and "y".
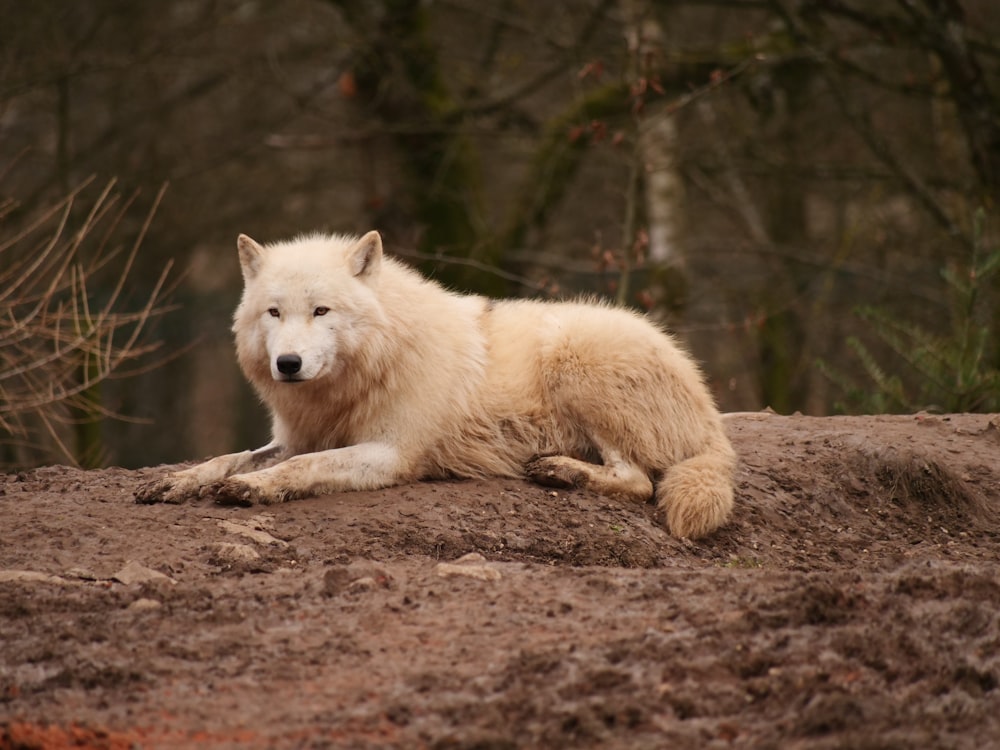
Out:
{"x": 289, "y": 364}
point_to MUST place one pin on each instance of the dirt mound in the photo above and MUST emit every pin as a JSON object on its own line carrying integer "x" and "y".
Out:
{"x": 851, "y": 602}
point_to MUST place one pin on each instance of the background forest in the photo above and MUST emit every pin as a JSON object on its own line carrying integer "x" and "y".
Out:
{"x": 805, "y": 191}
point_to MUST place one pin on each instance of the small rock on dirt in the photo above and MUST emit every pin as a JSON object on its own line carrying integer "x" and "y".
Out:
{"x": 229, "y": 553}
{"x": 134, "y": 572}
{"x": 250, "y": 532}
{"x": 356, "y": 577}
{"x": 472, "y": 565}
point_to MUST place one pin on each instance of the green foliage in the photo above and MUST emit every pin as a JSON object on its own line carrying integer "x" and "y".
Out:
{"x": 956, "y": 371}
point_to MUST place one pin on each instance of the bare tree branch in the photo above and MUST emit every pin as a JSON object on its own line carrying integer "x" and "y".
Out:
{"x": 56, "y": 345}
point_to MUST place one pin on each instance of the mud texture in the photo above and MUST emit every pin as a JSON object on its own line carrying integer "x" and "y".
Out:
{"x": 852, "y": 602}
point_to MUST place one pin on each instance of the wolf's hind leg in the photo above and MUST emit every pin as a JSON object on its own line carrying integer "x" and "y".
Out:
{"x": 615, "y": 478}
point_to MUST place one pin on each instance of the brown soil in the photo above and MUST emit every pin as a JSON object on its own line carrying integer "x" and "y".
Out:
{"x": 853, "y": 601}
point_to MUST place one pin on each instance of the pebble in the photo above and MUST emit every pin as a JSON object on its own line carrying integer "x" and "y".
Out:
{"x": 472, "y": 565}
{"x": 134, "y": 572}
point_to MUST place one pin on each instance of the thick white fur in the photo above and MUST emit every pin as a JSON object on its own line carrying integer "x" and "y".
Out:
{"x": 402, "y": 380}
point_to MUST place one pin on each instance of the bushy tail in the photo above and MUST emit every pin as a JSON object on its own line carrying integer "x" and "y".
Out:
{"x": 696, "y": 494}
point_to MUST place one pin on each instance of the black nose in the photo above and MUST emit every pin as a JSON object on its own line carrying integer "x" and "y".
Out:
{"x": 289, "y": 364}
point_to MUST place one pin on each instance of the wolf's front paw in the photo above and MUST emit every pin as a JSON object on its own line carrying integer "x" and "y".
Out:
{"x": 237, "y": 491}
{"x": 171, "y": 489}
{"x": 556, "y": 471}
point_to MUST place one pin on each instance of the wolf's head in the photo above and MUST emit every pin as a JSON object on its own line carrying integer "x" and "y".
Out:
{"x": 308, "y": 307}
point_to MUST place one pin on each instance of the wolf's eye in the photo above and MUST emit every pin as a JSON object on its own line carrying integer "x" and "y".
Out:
{"x": 319, "y": 311}
{"x": 273, "y": 312}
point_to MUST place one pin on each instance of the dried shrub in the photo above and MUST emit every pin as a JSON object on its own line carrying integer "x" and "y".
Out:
{"x": 67, "y": 324}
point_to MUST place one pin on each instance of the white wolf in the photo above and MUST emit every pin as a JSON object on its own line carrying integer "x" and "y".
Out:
{"x": 375, "y": 376}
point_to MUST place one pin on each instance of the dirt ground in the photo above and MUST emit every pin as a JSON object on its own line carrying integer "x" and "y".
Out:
{"x": 852, "y": 602}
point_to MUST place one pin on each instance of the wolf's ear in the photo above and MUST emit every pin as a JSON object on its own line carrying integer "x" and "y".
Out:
{"x": 251, "y": 255}
{"x": 365, "y": 256}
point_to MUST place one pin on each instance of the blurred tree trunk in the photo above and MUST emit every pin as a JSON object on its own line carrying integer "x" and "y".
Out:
{"x": 945, "y": 29}
{"x": 398, "y": 78}
{"x": 978, "y": 109}
{"x": 656, "y": 152}
{"x": 940, "y": 27}
{"x": 556, "y": 161}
